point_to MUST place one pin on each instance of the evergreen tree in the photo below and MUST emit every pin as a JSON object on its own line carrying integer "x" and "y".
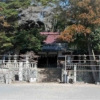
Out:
{"x": 11, "y": 37}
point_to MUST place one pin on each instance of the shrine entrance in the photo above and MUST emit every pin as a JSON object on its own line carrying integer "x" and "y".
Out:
{"x": 47, "y": 60}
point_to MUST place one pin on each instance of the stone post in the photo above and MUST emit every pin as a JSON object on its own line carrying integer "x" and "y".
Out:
{"x": 84, "y": 58}
{"x": 15, "y": 61}
{"x": 8, "y": 78}
{"x": 69, "y": 59}
{"x": 3, "y": 61}
{"x": 9, "y": 61}
{"x": 27, "y": 62}
{"x": 9, "y": 58}
{"x": 27, "y": 58}
{"x": 27, "y": 66}
{"x": 65, "y": 73}
{"x": 35, "y": 72}
{"x": 20, "y": 71}
{"x": 75, "y": 70}
{"x": 15, "y": 58}
{"x": 79, "y": 59}
{"x": 99, "y": 68}
{"x": 62, "y": 74}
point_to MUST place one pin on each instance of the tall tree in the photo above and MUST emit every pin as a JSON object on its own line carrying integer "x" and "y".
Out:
{"x": 28, "y": 39}
{"x": 8, "y": 20}
{"x": 96, "y": 40}
{"x": 5, "y": 37}
{"x": 83, "y": 17}
{"x": 10, "y": 36}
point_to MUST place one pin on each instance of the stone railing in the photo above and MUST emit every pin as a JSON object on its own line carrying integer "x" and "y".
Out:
{"x": 81, "y": 69}
{"x": 24, "y": 70}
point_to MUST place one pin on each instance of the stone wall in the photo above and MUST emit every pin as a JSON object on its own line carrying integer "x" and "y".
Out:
{"x": 84, "y": 76}
{"x": 49, "y": 74}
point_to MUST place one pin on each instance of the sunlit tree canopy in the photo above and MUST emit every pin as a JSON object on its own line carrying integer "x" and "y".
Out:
{"x": 83, "y": 16}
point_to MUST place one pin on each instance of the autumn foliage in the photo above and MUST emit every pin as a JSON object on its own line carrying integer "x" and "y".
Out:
{"x": 3, "y": 22}
{"x": 84, "y": 16}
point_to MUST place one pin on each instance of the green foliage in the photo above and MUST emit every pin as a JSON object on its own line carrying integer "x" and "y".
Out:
{"x": 30, "y": 39}
{"x": 46, "y": 2}
{"x": 12, "y": 37}
{"x": 82, "y": 18}
{"x": 5, "y": 42}
{"x": 9, "y": 12}
{"x": 96, "y": 40}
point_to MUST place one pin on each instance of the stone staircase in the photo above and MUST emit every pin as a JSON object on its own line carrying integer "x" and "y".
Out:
{"x": 49, "y": 74}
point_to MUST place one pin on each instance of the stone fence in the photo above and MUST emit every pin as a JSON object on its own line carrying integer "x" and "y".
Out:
{"x": 80, "y": 69}
{"x": 12, "y": 70}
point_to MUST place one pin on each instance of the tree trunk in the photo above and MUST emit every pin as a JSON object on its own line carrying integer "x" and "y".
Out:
{"x": 92, "y": 61}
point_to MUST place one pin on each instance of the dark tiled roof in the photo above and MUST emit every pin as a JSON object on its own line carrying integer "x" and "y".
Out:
{"x": 54, "y": 47}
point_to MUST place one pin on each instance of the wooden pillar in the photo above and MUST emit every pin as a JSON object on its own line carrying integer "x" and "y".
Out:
{"x": 47, "y": 60}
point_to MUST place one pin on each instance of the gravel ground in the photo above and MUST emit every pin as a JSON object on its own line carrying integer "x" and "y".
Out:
{"x": 49, "y": 91}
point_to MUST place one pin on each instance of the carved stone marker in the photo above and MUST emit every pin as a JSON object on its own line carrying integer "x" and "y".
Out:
{"x": 33, "y": 76}
{"x": 8, "y": 78}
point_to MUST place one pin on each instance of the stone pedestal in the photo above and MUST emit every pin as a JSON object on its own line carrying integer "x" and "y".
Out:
{"x": 33, "y": 76}
{"x": 8, "y": 78}
{"x": 31, "y": 80}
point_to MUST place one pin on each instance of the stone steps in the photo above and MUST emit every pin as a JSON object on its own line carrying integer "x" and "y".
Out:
{"x": 49, "y": 74}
